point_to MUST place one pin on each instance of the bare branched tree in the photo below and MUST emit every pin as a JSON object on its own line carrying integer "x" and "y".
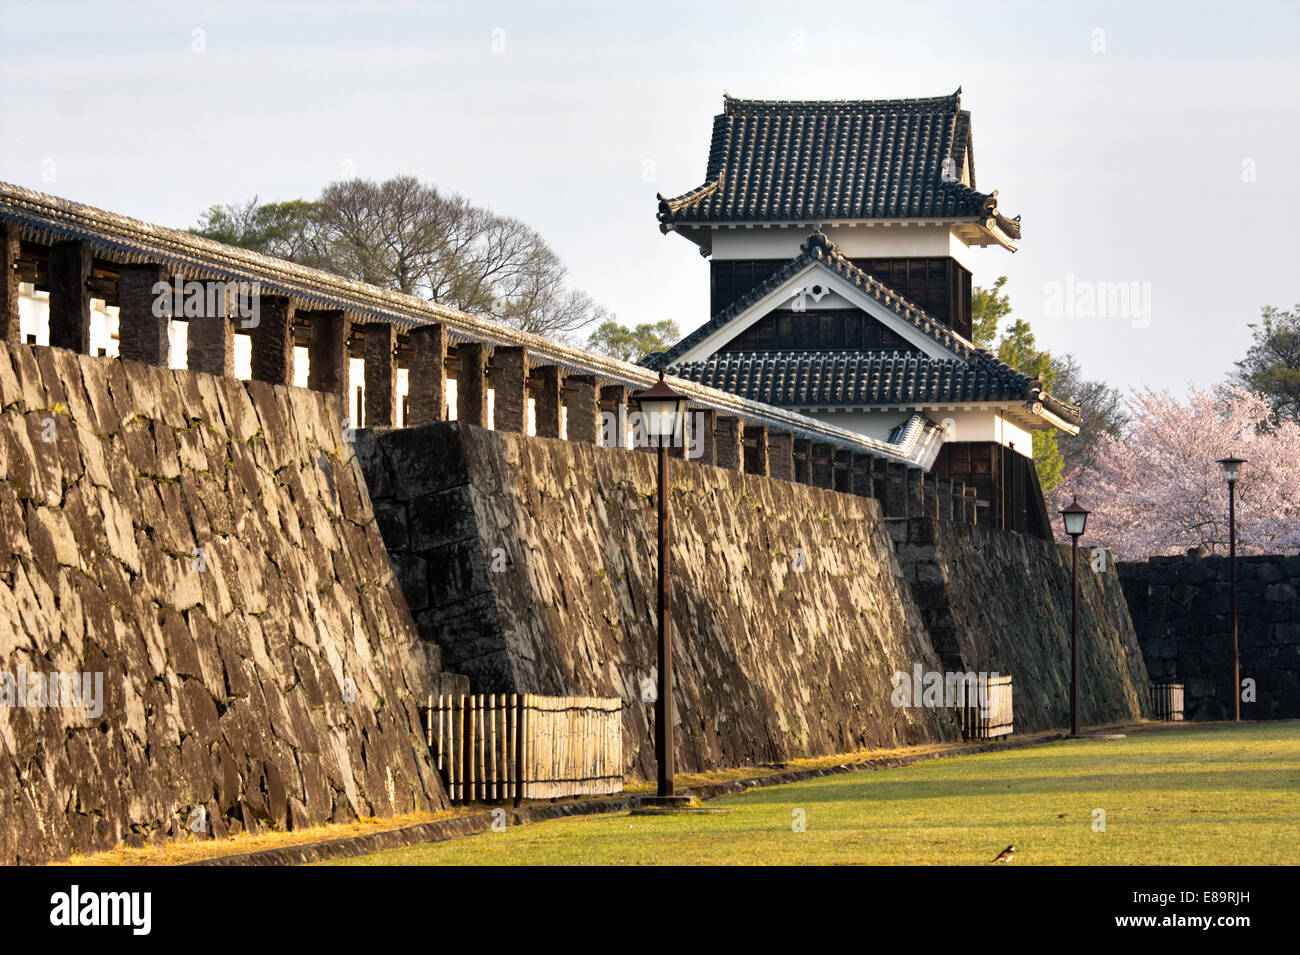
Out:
{"x": 407, "y": 236}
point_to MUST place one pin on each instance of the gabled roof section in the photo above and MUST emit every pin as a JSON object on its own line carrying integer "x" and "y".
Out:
{"x": 827, "y": 160}
{"x": 867, "y": 377}
{"x": 819, "y": 248}
{"x": 920, "y": 436}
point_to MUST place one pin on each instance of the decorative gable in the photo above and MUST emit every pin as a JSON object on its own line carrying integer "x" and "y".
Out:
{"x": 794, "y": 287}
{"x": 779, "y": 345}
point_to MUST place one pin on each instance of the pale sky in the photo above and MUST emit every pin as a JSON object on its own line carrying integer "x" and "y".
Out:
{"x": 1145, "y": 143}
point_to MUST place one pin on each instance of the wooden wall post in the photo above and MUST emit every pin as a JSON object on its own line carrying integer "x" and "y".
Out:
{"x": 823, "y": 465}
{"x": 472, "y": 384}
{"x": 677, "y": 441}
{"x": 69, "y": 296}
{"x": 915, "y": 492}
{"x": 931, "y": 503}
{"x": 944, "y": 512}
{"x": 756, "y": 450}
{"x": 510, "y": 387}
{"x": 730, "y": 447}
{"x": 802, "y": 460}
{"x": 142, "y": 334}
{"x": 862, "y": 484}
{"x": 582, "y": 420}
{"x": 547, "y": 387}
{"x": 705, "y": 435}
{"x": 843, "y": 470}
{"x": 328, "y": 355}
{"x": 896, "y": 489}
{"x": 613, "y": 402}
{"x": 10, "y": 248}
{"x": 426, "y": 379}
{"x": 210, "y": 341}
{"x": 272, "y": 336}
{"x": 879, "y": 480}
{"x": 780, "y": 455}
{"x": 380, "y": 395}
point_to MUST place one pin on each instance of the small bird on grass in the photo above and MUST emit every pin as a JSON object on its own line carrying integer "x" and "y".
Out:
{"x": 1006, "y": 855}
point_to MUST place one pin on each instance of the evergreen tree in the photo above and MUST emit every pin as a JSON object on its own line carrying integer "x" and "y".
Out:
{"x": 632, "y": 344}
{"x": 1015, "y": 345}
{"x": 1272, "y": 365}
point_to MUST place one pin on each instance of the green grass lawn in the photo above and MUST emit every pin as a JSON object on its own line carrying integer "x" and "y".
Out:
{"x": 1215, "y": 795}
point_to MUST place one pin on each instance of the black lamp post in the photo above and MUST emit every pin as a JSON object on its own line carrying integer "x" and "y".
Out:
{"x": 1232, "y": 471}
{"x": 1076, "y": 519}
{"x": 662, "y": 409}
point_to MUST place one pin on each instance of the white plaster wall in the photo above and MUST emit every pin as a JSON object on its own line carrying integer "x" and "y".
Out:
{"x": 973, "y": 425}
{"x": 860, "y": 241}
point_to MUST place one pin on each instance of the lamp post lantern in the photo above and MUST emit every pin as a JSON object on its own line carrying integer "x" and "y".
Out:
{"x": 1075, "y": 519}
{"x": 1231, "y": 471}
{"x": 663, "y": 409}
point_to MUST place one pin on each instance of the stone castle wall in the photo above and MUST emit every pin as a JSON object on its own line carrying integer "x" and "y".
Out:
{"x": 531, "y": 563}
{"x": 995, "y": 600}
{"x": 206, "y": 546}
{"x": 1181, "y": 610}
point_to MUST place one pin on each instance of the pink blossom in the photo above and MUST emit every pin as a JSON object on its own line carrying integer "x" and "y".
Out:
{"x": 1160, "y": 491}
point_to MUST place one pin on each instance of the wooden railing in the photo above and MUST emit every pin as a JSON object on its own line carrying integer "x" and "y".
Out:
{"x": 991, "y": 721}
{"x": 1167, "y": 701}
{"x": 497, "y": 746}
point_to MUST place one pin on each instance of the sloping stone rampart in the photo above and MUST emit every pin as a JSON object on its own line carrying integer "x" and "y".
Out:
{"x": 994, "y": 600}
{"x": 531, "y": 563}
{"x": 206, "y": 545}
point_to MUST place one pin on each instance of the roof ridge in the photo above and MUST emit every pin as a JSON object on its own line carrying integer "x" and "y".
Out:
{"x": 731, "y": 103}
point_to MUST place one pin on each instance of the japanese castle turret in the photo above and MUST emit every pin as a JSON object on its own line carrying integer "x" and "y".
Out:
{"x": 839, "y": 237}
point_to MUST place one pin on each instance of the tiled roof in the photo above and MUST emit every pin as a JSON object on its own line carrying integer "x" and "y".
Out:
{"x": 858, "y": 378}
{"x": 864, "y": 377}
{"x": 819, "y": 248}
{"x": 46, "y": 219}
{"x": 817, "y": 161}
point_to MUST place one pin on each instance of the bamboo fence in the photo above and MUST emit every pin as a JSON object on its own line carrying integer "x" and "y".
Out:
{"x": 1167, "y": 701}
{"x": 987, "y": 722}
{"x": 497, "y": 746}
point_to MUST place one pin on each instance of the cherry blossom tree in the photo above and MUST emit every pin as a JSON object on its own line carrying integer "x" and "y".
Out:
{"x": 1159, "y": 489}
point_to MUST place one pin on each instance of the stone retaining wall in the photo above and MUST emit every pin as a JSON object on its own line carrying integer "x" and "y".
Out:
{"x": 994, "y": 600}
{"x": 1181, "y": 611}
{"x": 206, "y": 546}
{"x": 531, "y": 563}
